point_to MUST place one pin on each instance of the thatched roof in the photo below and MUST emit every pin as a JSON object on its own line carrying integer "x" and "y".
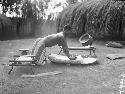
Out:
{"x": 98, "y": 17}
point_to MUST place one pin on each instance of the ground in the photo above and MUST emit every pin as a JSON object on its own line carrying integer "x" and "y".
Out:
{"x": 102, "y": 78}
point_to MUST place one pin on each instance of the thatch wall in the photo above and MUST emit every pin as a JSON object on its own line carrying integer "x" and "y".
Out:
{"x": 101, "y": 18}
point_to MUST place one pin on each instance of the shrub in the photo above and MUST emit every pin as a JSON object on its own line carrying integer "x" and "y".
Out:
{"x": 101, "y": 18}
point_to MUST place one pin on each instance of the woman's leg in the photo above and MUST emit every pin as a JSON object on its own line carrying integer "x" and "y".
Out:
{"x": 40, "y": 50}
{"x": 34, "y": 45}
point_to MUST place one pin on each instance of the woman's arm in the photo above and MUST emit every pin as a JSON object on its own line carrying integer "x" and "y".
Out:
{"x": 64, "y": 45}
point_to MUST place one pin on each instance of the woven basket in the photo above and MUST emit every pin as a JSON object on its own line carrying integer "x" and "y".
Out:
{"x": 86, "y": 40}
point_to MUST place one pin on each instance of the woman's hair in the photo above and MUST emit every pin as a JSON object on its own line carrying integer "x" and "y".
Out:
{"x": 67, "y": 27}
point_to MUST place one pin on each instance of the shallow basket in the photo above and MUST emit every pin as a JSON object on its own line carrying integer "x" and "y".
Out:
{"x": 86, "y": 40}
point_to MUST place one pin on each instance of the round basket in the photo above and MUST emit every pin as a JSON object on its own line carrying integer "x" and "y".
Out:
{"x": 86, "y": 40}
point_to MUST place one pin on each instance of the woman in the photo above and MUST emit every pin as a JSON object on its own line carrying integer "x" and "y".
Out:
{"x": 52, "y": 40}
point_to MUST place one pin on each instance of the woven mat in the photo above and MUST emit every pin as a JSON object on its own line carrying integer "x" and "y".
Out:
{"x": 115, "y": 56}
{"x": 43, "y": 74}
{"x": 64, "y": 59}
{"x": 114, "y": 45}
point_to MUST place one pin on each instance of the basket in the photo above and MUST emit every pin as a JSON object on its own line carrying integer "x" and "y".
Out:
{"x": 86, "y": 40}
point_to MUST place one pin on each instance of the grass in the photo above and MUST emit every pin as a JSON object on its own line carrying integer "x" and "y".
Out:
{"x": 103, "y": 78}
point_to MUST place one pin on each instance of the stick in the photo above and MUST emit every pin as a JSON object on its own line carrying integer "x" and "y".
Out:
{"x": 43, "y": 74}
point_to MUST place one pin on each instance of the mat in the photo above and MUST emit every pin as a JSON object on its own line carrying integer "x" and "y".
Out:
{"x": 114, "y": 45}
{"x": 115, "y": 56}
{"x": 43, "y": 74}
{"x": 64, "y": 59}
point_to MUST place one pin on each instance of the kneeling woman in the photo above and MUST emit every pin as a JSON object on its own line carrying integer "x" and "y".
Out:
{"x": 52, "y": 40}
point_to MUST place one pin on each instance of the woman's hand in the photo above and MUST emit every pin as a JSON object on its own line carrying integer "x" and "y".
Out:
{"x": 72, "y": 57}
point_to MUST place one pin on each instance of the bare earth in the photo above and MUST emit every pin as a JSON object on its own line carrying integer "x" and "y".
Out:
{"x": 102, "y": 78}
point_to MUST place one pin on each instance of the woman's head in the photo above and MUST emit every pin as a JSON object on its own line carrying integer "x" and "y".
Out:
{"x": 67, "y": 28}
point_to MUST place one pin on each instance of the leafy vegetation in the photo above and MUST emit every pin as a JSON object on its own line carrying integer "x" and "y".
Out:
{"x": 100, "y": 18}
{"x": 7, "y": 5}
{"x": 28, "y": 15}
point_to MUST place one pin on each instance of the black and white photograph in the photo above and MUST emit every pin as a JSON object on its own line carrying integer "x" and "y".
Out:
{"x": 62, "y": 47}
